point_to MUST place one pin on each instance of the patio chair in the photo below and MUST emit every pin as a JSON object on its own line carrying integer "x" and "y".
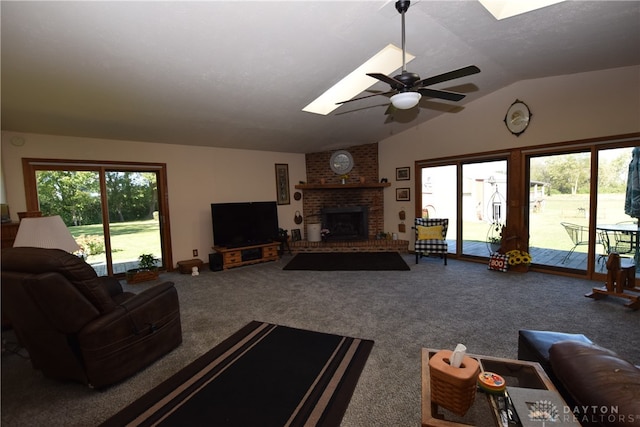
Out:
{"x": 624, "y": 242}
{"x": 579, "y": 235}
{"x": 606, "y": 240}
{"x": 431, "y": 234}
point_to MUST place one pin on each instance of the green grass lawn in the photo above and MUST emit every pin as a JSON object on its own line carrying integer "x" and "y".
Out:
{"x": 128, "y": 239}
{"x": 545, "y": 228}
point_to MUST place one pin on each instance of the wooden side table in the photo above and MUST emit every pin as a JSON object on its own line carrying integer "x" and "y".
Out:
{"x": 517, "y": 373}
{"x": 9, "y": 232}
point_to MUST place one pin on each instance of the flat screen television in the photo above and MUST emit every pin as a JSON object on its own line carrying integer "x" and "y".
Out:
{"x": 244, "y": 223}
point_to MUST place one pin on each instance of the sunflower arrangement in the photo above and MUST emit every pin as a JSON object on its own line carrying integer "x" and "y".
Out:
{"x": 519, "y": 257}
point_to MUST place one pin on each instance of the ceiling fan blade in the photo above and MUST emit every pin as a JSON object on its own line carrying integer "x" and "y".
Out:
{"x": 368, "y": 96}
{"x": 390, "y": 80}
{"x": 390, "y": 109}
{"x": 455, "y": 74}
{"x": 442, "y": 94}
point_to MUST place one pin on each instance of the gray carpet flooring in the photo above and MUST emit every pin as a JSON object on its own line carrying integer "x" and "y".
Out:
{"x": 431, "y": 305}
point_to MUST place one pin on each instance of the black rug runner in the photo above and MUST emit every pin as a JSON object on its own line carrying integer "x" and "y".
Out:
{"x": 264, "y": 374}
{"x": 345, "y": 261}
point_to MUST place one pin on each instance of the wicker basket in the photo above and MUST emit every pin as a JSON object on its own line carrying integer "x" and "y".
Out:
{"x": 453, "y": 388}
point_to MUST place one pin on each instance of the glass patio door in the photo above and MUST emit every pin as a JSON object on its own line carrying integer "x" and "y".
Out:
{"x": 438, "y": 198}
{"x": 484, "y": 206}
{"x": 134, "y": 219}
{"x": 115, "y": 214}
{"x": 481, "y": 193}
{"x": 559, "y": 206}
{"x": 615, "y": 230}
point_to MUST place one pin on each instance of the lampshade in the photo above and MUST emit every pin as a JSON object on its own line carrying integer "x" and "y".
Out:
{"x": 405, "y": 100}
{"x": 45, "y": 232}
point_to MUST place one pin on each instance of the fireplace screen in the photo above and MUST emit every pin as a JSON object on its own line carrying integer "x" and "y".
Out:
{"x": 348, "y": 223}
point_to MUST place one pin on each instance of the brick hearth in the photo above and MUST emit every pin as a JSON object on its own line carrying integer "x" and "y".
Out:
{"x": 371, "y": 245}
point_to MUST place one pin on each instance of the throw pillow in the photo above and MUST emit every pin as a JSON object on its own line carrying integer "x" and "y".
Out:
{"x": 498, "y": 262}
{"x": 430, "y": 233}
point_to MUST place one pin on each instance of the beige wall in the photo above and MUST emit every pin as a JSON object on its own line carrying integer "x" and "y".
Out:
{"x": 564, "y": 108}
{"x": 197, "y": 176}
{"x": 573, "y": 107}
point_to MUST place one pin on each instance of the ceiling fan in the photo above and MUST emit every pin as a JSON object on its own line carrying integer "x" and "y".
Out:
{"x": 407, "y": 87}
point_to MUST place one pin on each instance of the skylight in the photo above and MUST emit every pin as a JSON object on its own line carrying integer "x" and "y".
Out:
{"x": 503, "y": 9}
{"x": 386, "y": 62}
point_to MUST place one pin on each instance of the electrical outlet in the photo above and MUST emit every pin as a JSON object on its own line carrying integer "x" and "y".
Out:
{"x": 195, "y": 252}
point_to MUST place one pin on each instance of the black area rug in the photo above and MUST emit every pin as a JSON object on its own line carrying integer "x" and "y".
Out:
{"x": 263, "y": 375}
{"x": 341, "y": 261}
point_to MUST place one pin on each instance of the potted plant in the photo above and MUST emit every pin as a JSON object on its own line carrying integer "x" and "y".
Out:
{"x": 147, "y": 269}
{"x": 494, "y": 236}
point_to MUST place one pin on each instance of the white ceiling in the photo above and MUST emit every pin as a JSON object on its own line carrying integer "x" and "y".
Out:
{"x": 237, "y": 74}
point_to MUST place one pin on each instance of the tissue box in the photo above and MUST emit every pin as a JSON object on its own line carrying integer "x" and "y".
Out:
{"x": 453, "y": 388}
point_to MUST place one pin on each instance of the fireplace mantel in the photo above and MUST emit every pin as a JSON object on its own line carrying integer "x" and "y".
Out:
{"x": 342, "y": 186}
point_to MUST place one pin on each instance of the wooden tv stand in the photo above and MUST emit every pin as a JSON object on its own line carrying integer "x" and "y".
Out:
{"x": 245, "y": 255}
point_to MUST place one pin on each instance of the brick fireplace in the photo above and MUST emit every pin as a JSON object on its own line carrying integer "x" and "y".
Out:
{"x": 365, "y": 159}
{"x": 323, "y": 190}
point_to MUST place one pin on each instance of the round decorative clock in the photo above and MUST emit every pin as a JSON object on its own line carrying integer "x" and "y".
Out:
{"x": 341, "y": 162}
{"x": 518, "y": 117}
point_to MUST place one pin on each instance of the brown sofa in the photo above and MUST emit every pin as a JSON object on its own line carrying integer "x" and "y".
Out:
{"x": 81, "y": 327}
{"x": 600, "y": 387}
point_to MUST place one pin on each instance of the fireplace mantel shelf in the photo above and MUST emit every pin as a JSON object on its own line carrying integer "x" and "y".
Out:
{"x": 342, "y": 186}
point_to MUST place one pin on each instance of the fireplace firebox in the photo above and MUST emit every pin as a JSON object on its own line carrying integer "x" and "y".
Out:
{"x": 346, "y": 223}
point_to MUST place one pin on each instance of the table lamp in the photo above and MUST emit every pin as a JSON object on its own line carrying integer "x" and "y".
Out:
{"x": 45, "y": 232}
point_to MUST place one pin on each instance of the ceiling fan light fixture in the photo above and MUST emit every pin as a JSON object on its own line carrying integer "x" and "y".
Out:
{"x": 405, "y": 100}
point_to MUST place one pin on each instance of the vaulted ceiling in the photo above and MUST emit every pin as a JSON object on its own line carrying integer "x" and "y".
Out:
{"x": 237, "y": 74}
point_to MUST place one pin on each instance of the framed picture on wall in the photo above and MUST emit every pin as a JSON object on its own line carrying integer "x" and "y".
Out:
{"x": 296, "y": 235}
{"x": 402, "y": 174}
{"x": 282, "y": 184}
{"x": 403, "y": 194}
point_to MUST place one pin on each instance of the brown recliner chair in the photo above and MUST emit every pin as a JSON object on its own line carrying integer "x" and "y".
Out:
{"x": 81, "y": 327}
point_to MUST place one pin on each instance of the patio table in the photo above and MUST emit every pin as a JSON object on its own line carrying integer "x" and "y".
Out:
{"x": 627, "y": 228}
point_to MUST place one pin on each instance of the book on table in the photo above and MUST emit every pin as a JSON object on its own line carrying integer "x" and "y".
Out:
{"x": 534, "y": 406}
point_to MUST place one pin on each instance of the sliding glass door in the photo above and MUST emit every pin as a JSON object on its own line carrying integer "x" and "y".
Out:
{"x": 569, "y": 227}
{"x": 566, "y": 204}
{"x": 113, "y": 211}
{"x": 481, "y": 205}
